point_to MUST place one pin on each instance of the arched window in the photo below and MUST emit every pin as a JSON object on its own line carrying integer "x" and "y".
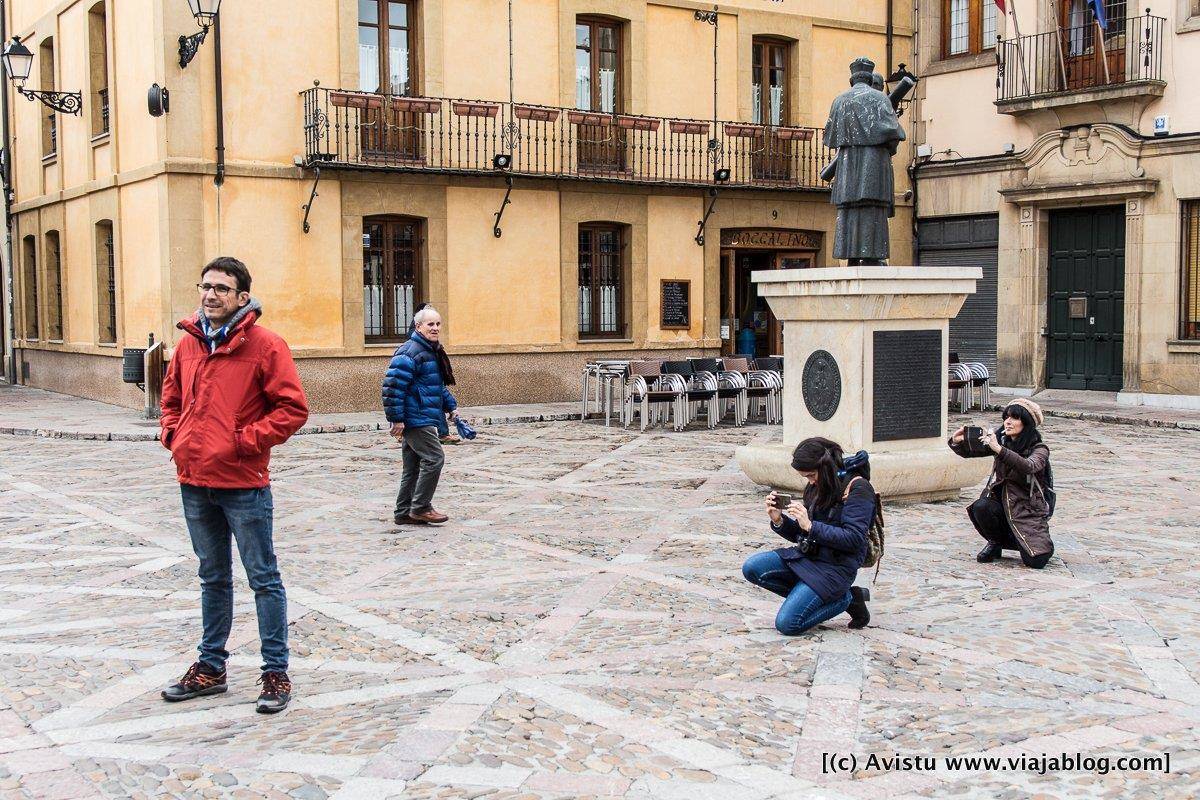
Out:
{"x": 391, "y": 276}
{"x": 106, "y": 283}
{"x": 98, "y": 68}
{"x": 54, "y": 301}
{"x": 49, "y": 115}
{"x": 602, "y": 259}
{"x": 29, "y": 286}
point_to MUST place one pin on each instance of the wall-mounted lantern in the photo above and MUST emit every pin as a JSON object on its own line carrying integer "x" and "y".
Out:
{"x": 898, "y": 88}
{"x": 18, "y": 62}
{"x": 205, "y": 13}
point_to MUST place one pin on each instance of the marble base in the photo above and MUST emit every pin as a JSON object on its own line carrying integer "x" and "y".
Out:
{"x": 909, "y": 476}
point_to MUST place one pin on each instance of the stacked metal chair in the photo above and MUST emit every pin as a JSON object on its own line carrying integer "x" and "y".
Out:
{"x": 649, "y": 390}
{"x": 731, "y": 387}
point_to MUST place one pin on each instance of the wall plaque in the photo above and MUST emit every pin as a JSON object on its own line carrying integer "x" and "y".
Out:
{"x": 676, "y": 305}
{"x": 821, "y": 385}
{"x": 907, "y": 385}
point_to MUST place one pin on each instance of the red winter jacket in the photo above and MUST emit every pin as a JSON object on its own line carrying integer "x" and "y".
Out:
{"x": 223, "y": 412}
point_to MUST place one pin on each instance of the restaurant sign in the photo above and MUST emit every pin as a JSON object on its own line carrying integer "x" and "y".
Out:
{"x": 771, "y": 238}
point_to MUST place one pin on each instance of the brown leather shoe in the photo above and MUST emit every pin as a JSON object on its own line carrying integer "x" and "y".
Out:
{"x": 430, "y": 517}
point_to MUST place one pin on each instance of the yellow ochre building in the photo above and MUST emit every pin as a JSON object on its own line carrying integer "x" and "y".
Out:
{"x": 607, "y": 125}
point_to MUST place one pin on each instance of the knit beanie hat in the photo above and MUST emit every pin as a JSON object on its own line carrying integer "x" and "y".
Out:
{"x": 1033, "y": 408}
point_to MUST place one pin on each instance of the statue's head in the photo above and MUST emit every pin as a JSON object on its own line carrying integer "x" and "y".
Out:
{"x": 876, "y": 81}
{"x": 861, "y": 70}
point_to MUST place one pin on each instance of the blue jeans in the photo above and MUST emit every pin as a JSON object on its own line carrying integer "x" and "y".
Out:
{"x": 214, "y": 517}
{"x": 803, "y": 608}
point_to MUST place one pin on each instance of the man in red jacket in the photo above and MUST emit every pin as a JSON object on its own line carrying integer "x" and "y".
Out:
{"x": 231, "y": 393}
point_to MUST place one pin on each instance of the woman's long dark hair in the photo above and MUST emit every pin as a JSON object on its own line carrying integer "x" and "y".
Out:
{"x": 825, "y": 458}
{"x": 1028, "y": 436}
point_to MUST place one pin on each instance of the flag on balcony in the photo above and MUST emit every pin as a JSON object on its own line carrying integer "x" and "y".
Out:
{"x": 1000, "y": 6}
{"x": 1097, "y": 7}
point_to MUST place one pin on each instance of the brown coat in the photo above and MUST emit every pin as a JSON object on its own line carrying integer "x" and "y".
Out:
{"x": 1024, "y": 504}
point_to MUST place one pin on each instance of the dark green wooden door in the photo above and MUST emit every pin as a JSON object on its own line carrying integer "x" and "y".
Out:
{"x": 1087, "y": 299}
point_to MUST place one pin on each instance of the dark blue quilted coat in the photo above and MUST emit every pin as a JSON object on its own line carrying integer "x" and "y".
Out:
{"x": 413, "y": 391}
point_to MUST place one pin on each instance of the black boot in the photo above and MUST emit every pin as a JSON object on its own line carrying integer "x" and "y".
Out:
{"x": 989, "y": 553}
{"x": 859, "y": 615}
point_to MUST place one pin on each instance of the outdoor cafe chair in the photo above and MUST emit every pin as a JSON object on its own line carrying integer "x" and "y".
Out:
{"x": 647, "y": 389}
{"x": 770, "y": 369}
{"x": 731, "y": 387}
{"x": 763, "y": 388}
{"x": 701, "y": 389}
{"x": 959, "y": 381}
{"x": 980, "y": 379}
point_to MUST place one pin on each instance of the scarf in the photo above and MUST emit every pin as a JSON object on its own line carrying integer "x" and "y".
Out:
{"x": 214, "y": 336}
{"x": 443, "y": 362}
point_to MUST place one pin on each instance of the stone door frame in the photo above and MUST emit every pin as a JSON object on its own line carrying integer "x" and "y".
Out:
{"x": 1034, "y": 204}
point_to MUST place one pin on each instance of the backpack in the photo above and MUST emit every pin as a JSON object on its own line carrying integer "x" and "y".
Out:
{"x": 1045, "y": 487}
{"x": 874, "y": 531}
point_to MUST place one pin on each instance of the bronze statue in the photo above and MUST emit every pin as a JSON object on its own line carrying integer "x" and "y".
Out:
{"x": 865, "y": 130}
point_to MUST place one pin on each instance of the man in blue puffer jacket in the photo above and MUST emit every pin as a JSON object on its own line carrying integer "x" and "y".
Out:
{"x": 415, "y": 399}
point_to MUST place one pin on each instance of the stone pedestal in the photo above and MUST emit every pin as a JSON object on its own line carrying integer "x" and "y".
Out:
{"x": 865, "y": 362}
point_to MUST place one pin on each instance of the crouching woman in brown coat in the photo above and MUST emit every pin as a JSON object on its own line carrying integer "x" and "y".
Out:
{"x": 1013, "y": 513}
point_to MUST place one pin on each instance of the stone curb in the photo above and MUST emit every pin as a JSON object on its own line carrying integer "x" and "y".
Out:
{"x": 1112, "y": 419}
{"x": 51, "y": 433}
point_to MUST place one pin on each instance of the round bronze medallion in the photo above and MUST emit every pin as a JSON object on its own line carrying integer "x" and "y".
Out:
{"x": 821, "y": 385}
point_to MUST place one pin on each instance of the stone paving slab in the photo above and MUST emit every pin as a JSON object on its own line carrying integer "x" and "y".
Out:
{"x": 580, "y": 629}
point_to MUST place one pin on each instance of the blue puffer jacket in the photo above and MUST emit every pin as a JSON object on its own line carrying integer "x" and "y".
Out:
{"x": 413, "y": 391}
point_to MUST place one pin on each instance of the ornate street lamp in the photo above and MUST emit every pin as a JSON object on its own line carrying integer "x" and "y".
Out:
{"x": 18, "y": 62}
{"x": 205, "y": 13}
{"x": 899, "y": 98}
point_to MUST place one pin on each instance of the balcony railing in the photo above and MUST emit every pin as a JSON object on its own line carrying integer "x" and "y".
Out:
{"x": 422, "y": 134}
{"x": 1080, "y": 59}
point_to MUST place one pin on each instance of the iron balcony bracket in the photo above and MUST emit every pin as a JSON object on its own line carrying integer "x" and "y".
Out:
{"x": 700, "y": 233}
{"x": 496, "y": 227}
{"x": 66, "y": 102}
{"x": 189, "y": 46}
{"x": 308, "y": 206}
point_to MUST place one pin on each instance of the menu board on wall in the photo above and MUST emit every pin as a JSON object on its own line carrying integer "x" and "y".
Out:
{"x": 676, "y": 305}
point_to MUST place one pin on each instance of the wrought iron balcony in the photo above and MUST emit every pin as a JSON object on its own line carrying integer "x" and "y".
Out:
{"x": 1080, "y": 59}
{"x": 360, "y": 130}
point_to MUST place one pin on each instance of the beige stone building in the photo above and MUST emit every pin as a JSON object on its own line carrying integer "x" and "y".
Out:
{"x": 1066, "y": 162}
{"x": 615, "y": 115}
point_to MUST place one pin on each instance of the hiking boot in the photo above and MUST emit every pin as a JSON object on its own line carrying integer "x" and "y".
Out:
{"x": 276, "y": 692}
{"x": 430, "y": 517}
{"x": 859, "y": 615}
{"x": 405, "y": 519}
{"x": 989, "y": 553}
{"x": 452, "y": 438}
{"x": 199, "y": 680}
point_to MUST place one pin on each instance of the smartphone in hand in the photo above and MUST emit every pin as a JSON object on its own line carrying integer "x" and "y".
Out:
{"x": 782, "y": 501}
{"x": 971, "y": 435}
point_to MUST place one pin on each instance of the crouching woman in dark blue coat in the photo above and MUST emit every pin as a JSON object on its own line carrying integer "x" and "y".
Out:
{"x": 830, "y": 531}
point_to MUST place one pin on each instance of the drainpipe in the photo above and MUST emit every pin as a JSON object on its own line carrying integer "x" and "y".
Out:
{"x": 891, "y": 31}
{"x": 8, "y": 336}
{"x": 220, "y": 179}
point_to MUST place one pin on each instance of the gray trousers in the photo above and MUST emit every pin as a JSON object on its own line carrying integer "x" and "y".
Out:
{"x": 423, "y": 460}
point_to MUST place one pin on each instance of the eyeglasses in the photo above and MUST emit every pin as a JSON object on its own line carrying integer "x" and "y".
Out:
{"x": 220, "y": 289}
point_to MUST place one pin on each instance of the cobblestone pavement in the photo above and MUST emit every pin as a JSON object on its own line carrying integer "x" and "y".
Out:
{"x": 581, "y": 630}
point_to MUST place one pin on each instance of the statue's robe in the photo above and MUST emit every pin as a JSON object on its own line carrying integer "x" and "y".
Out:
{"x": 864, "y": 129}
